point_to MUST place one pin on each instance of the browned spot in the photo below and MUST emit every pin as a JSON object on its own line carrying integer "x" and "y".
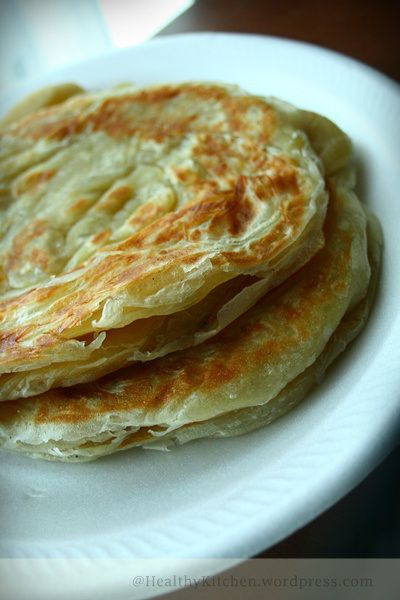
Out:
{"x": 33, "y": 181}
{"x": 234, "y": 214}
{"x": 24, "y": 298}
{"x": 21, "y": 240}
{"x": 214, "y": 154}
{"x": 58, "y": 129}
{"x": 145, "y": 215}
{"x": 236, "y": 108}
{"x": 79, "y": 206}
{"x": 69, "y": 410}
{"x": 186, "y": 176}
{"x": 115, "y": 199}
{"x": 195, "y": 235}
{"x": 285, "y": 182}
{"x": 100, "y": 237}
{"x": 268, "y": 246}
{"x": 114, "y": 115}
{"x": 159, "y": 131}
{"x": 284, "y": 178}
{"x": 156, "y": 94}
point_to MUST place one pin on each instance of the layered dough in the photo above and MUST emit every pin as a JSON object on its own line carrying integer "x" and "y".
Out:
{"x": 249, "y": 374}
{"x": 126, "y": 212}
{"x": 176, "y": 262}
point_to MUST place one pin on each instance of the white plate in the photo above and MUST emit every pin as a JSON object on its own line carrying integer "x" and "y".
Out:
{"x": 239, "y": 496}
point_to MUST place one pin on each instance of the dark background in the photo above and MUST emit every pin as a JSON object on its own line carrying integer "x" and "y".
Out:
{"x": 366, "y": 523}
{"x": 366, "y": 30}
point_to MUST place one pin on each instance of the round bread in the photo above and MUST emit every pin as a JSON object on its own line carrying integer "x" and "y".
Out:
{"x": 253, "y": 371}
{"x": 137, "y": 222}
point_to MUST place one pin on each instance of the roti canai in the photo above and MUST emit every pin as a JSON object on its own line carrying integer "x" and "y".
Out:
{"x": 137, "y": 222}
{"x": 253, "y": 371}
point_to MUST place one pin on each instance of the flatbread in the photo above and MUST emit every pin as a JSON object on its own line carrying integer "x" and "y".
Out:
{"x": 125, "y": 213}
{"x": 253, "y": 371}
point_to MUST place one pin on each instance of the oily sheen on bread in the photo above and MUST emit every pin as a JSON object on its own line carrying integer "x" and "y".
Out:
{"x": 137, "y": 222}
{"x": 253, "y": 371}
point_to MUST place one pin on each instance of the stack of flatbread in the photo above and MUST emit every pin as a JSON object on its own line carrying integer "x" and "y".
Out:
{"x": 177, "y": 261}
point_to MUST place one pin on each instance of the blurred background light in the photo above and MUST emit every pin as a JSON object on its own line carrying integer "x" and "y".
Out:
{"x": 42, "y": 35}
{"x": 134, "y": 21}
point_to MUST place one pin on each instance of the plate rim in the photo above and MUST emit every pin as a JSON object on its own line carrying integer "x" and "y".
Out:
{"x": 250, "y": 540}
{"x": 13, "y": 90}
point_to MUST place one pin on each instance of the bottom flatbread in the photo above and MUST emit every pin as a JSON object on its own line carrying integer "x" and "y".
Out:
{"x": 254, "y": 371}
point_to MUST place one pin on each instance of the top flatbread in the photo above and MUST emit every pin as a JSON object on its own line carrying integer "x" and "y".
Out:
{"x": 120, "y": 210}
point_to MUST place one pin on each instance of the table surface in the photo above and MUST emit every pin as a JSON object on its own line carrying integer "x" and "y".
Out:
{"x": 367, "y": 31}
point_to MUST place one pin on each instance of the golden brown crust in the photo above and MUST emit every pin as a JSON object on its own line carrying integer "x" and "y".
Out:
{"x": 247, "y": 364}
{"x": 137, "y": 204}
{"x": 207, "y": 199}
{"x": 154, "y": 113}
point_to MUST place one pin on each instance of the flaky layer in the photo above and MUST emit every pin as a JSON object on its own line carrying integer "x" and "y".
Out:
{"x": 249, "y": 374}
{"x": 123, "y": 212}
